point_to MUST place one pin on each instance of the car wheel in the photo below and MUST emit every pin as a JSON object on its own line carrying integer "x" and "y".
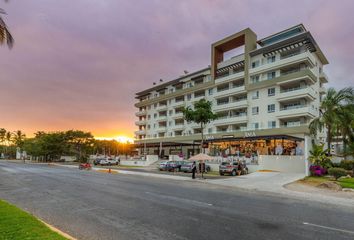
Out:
{"x": 233, "y": 173}
{"x": 221, "y": 174}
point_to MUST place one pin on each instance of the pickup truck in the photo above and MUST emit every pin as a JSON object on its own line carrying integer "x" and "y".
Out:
{"x": 109, "y": 161}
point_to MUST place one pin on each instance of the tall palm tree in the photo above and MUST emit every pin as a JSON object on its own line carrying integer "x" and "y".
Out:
{"x": 5, "y": 35}
{"x": 330, "y": 110}
{"x": 18, "y": 138}
{"x": 2, "y": 135}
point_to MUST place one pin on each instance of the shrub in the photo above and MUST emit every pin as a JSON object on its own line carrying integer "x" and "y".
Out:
{"x": 347, "y": 164}
{"x": 317, "y": 170}
{"x": 337, "y": 172}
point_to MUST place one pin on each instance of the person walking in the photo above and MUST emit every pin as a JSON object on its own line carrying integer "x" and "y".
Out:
{"x": 194, "y": 169}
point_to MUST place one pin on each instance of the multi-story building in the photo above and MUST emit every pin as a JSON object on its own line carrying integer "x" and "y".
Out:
{"x": 267, "y": 96}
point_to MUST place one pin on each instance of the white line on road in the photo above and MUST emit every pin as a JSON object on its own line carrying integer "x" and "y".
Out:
{"x": 329, "y": 228}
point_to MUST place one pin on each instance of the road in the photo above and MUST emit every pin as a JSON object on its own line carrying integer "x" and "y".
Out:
{"x": 93, "y": 205}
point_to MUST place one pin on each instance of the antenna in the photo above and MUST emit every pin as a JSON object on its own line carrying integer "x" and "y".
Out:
{"x": 185, "y": 72}
{"x": 153, "y": 83}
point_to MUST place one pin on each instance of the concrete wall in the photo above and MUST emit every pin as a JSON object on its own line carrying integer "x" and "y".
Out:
{"x": 290, "y": 164}
{"x": 140, "y": 162}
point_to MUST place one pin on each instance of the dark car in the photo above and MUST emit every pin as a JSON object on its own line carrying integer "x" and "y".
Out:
{"x": 97, "y": 161}
{"x": 232, "y": 168}
{"x": 187, "y": 167}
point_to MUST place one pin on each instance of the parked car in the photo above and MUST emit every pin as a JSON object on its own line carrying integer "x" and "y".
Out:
{"x": 187, "y": 167}
{"x": 175, "y": 166}
{"x": 109, "y": 161}
{"x": 163, "y": 166}
{"x": 97, "y": 161}
{"x": 232, "y": 168}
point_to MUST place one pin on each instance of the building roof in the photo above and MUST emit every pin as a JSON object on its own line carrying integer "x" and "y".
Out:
{"x": 171, "y": 82}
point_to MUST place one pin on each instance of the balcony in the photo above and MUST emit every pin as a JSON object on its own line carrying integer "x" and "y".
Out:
{"x": 323, "y": 77}
{"x": 295, "y": 93}
{"x": 229, "y": 91}
{"x": 231, "y": 105}
{"x": 177, "y": 115}
{"x": 140, "y": 122}
{"x": 242, "y": 118}
{"x": 161, "y": 129}
{"x": 161, "y": 107}
{"x": 141, "y": 113}
{"x": 296, "y": 111}
{"x": 140, "y": 132}
{"x": 322, "y": 90}
{"x": 285, "y": 61}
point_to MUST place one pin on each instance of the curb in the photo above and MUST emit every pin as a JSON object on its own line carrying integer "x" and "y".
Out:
{"x": 54, "y": 229}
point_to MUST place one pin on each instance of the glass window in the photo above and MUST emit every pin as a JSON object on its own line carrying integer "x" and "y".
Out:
{"x": 155, "y": 115}
{"x": 255, "y": 64}
{"x": 189, "y": 97}
{"x": 255, "y": 79}
{"x": 270, "y": 59}
{"x": 210, "y": 91}
{"x": 271, "y": 75}
{"x": 271, "y": 108}
{"x": 255, "y": 125}
{"x": 255, "y": 110}
{"x": 272, "y": 124}
{"x": 271, "y": 92}
{"x": 255, "y": 95}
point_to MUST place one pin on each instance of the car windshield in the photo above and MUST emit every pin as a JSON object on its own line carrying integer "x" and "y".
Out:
{"x": 225, "y": 163}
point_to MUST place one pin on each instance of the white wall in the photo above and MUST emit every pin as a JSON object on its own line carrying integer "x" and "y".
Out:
{"x": 290, "y": 164}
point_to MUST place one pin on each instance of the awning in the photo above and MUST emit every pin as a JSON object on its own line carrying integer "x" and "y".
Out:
{"x": 232, "y": 66}
{"x": 230, "y": 138}
{"x": 307, "y": 43}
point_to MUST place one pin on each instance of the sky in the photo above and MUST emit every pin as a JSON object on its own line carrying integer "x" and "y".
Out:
{"x": 78, "y": 64}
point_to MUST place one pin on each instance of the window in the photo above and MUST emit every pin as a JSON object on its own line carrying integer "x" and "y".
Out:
{"x": 210, "y": 91}
{"x": 255, "y": 64}
{"x": 271, "y": 92}
{"x": 255, "y": 95}
{"x": 189, "y": 97}
{"x": 272, "y": 124}
{"x": 271, "y": 59}
{"x": 271, "y": 75}
{"x": 155, "y": 105}
{"x": 255, "y": 110}
{"x": 148, "y": 126}
{"x": 149, "y": 117}
{"x": 169, "y": 123}
{"x": 170, "y": 112}
{"x": 255, "y": 79}
{"x": 271, "y": 108}
{"x": 255, "y": 125}
{"x": 210, "y": 130}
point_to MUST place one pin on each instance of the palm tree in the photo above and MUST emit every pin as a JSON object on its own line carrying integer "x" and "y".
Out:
{"x": 5, "y": 35}
{"x": 18, "y": 138}
{"x": 2, "y": 135}
{"x": 202, "y": 114}
{"x": 331, "y": 107}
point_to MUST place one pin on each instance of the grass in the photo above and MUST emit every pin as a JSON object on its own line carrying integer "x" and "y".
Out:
{"x": 346, "y": 182}
{"x": 16, "y": 224}
{"x": 315, "y": 181}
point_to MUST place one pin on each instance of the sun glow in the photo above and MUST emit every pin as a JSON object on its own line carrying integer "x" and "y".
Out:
{"x": 121, "y": 139}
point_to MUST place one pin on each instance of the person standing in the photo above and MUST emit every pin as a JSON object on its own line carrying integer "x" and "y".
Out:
{"x": 194, "y": 169}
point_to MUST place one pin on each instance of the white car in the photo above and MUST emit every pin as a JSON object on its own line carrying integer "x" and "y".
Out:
{"x": 109, "y": 161}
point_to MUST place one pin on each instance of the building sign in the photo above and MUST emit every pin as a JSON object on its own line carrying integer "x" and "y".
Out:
{"x": 250, "y": 134}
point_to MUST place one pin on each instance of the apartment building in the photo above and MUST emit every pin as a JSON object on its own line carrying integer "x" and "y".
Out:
{"x": 266, "y": 96}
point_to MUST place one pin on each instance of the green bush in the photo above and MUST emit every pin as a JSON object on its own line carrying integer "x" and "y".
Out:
{"x": 337, "y": 172}
{"x": 347, "y": 164}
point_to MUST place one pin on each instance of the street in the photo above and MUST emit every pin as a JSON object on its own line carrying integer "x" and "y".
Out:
{"x": 93, "y": 205}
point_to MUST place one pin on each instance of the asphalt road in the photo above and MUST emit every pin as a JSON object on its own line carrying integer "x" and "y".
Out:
{"x": 92, "y": 205}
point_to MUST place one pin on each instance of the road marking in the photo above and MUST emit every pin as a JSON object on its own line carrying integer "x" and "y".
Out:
{"x": 184, "y": 200}
{"x": 329, "y": 228}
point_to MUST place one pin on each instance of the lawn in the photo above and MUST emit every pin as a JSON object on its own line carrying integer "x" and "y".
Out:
{"x": 16, "y": 224}
{"x": 315, "y": 181}
{"x": 347, "y": 182}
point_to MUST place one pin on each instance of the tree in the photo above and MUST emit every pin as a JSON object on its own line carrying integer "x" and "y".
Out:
{"x": 5, "y": 35}
{"x": 330, "y": 110}
{"x": 319, "y": 156}
{"x": 18, "y": 138}
{"x": 2, "y": 135}
{"x": 202, "y": 114}
{"x": 79, "y": 143}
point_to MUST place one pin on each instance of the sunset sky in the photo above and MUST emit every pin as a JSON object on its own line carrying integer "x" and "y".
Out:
{"x": 77, "y": 64}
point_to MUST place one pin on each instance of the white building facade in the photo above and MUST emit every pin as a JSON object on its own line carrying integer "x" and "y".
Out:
{"x": 267, "y": 95}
